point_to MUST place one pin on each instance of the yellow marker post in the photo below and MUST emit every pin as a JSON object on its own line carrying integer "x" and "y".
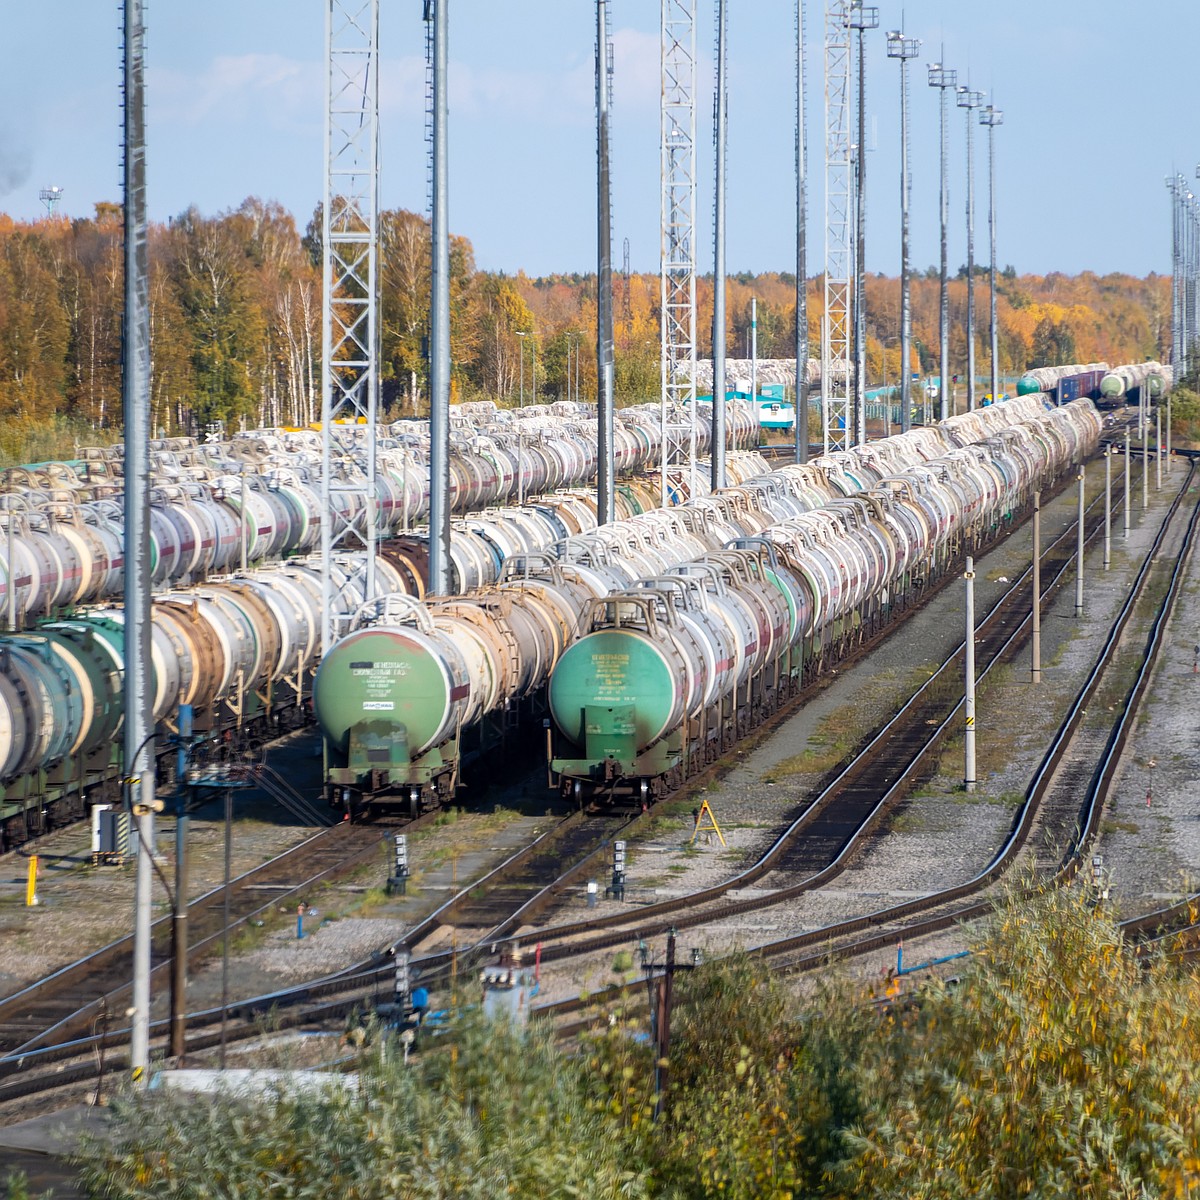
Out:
{"x": 31, "y": 897}
{"x": 706, "y": 813}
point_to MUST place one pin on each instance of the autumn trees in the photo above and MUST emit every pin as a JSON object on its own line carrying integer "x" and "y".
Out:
{"x": 235, "y": 316}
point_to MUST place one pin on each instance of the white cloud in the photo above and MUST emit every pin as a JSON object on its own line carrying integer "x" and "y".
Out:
{"x": 280, "y": 92}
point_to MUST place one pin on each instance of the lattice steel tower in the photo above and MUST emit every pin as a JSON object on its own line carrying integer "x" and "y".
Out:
{"x": 678, "y": 247}
{"x": 349, "y": 324}
{"x": 837, "y": 424}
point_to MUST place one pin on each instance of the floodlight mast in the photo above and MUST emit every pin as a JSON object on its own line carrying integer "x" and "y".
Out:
{"x": 904, "y": 49}
{"x": 991, "y": 116}
{"x": 717, "y": 477}
{"x": 862, "y": 17}
{"x": 50, "y": 196}
{"x": 836, "y": 414}
{"x": 677, "y": 226}
{"x": 801, "y": 245}
{"x": 1174, "y": 186}
{"x": 944, "y": 80}
{"x": 349, "y": 298}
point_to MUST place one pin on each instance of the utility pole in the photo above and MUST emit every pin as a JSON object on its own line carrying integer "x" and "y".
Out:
{"x": 439, "y": 342}
{"x": 1128, "y": 469}
{"x": 1079, "y": 546}
{"x": 718, "y": 335}
{"x": 605, "y": 430}
{"x": 1036, "y": 670}
{"x": 1107, "y": 507}
{"x": 991, "y": 117}
{"x": 969, "y": 666}
{"x": 801, "y": 244}
{"x": 1158, "y": 448}
{"x": 135, "y": 398}
{"x": 945, "y": 81}
{"x": 904, "y": 49}
{"x": 754, "y": 350}
{"x": 970, "y": 100}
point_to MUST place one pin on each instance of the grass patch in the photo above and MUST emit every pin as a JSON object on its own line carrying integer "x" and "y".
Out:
{"x": 1112, "y": 825}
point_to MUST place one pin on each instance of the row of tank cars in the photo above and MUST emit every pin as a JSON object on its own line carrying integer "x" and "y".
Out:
{"x": 255, "y": 498}
{"x": 653, "y": 642}
{"x": 235, "y": 652}
{"x": 1110, "y": 388}
{"x": 1137, "y": 383}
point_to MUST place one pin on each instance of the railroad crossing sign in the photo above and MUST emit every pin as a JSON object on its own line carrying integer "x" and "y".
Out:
{"x": 706, "y": 814}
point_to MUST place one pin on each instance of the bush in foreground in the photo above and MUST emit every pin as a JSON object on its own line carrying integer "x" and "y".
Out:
{"x": 1059, "y": 1066}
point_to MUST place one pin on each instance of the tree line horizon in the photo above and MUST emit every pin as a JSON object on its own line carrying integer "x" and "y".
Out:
{"x": 235, "y": 320}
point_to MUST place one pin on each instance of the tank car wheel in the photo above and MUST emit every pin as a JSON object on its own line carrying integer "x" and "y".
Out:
{"x": 414, "y": 802}
{"x": 577, "y": 792}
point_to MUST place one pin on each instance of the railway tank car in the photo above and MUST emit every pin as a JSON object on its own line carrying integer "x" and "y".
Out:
{"x": 893, "y": 510}
{"x": 662, "y": 680}
{"x": 1126, "y": 385}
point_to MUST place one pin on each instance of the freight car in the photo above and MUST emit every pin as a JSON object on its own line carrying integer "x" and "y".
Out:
{"x": 667, "y": 675}
{"x": 400, "y": 707}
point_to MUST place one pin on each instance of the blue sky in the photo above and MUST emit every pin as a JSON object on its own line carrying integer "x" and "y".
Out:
{"x": 1096, "y": 108}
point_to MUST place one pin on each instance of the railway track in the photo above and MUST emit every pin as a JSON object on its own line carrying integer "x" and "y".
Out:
{"x": 365, "y": 979}
{"x": 49, "y": 1025}
{"x": 833, "y": 816}
{"x": 59, "y": 1006}
{"x": 944, "y": 909}
{"x": 856, "y": 796}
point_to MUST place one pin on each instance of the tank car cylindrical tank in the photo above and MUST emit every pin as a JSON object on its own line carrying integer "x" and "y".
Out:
{"x": 659, "y": 657}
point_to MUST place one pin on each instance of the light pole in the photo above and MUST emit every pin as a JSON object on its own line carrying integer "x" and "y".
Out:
{"x": 1107, "y": 506}
{"x": 944, "y": 81}
{"x": 801, "y": 247}
{"x": 969, "y": 100}
{"x": 50, "y": 196}
{"x": 991, "y": 117}
{"x": 862, "y": 18}
{"x": 1173, "y": 186}
{"x": 904, "y": 48}
{"x": 969, "y": 690}
{"x": 521, "y": 344}
{"x": 717, "y": 457}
